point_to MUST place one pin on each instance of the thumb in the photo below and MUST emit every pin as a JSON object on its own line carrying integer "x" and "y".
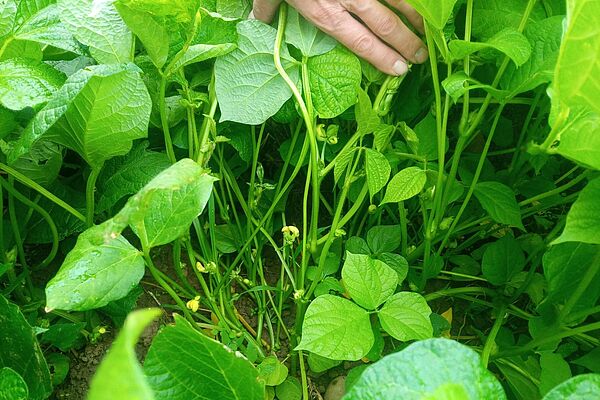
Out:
{"x": 264, "y": 10}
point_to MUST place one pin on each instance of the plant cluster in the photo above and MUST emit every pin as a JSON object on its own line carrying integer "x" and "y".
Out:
{"x": 430, "y": 236}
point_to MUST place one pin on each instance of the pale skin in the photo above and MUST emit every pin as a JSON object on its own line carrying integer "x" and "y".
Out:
{"x": 369, "y": 28}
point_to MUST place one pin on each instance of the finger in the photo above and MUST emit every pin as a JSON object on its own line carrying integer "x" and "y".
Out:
{"x": 338, "y": 23}
{"x": 264, "y": 10}
{"x": 410, "y": 13}
{"x": 389, "y": 27}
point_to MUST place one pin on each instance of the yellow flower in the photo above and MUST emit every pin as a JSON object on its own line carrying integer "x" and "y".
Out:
{"x": 194, "y": 304}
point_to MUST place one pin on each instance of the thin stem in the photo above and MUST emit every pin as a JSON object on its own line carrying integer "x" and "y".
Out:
{"x": 490, "y": 341}
{"x": 89, "y": 195}
{"x": 164, "y": 119}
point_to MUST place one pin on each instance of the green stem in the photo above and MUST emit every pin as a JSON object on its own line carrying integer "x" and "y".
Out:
{"x": 44, "y": 192}
{"x": 457, "y": 291}
{"x": 164, "y": 119}
{"x": 89, "y": 195}
{"x": 490, "y": 341}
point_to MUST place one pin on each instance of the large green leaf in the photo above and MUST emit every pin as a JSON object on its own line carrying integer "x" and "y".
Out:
{"x": 555, "y": 370}
{"x": 405, "y": 316}
{"x": 384, "y": 238}
{"x": 508, "y": 41}
{"x": 492, "y": 16}
{"x": 249, "y": 88}
{"x": 500, "y": 203}
{"x": 184, "y": 364}
{"x": 502, "y": 260}
{"x": 306, "y": 37}
{"x": 98, "y": 112}
{"x": 164, "y": 209}
{"x": 123, "y": 176}
{"x": 378, "y": 171}
{"x": 97, "y": 24}
{"x": 334, "y": 78}
{"x": 578, "y": 388}
{"x": 583, "y": 220}
{"x": 577, "y": 75}
{"x": 369, "y": 282}
{"x": 337, "y": 329}
{"x": 101, "y": 268}
{"x": 405, "y": 184}
{"x": 561, "y": 264}
{"x": 21, "y": 352}
{"x": 544, "y": 37}
{"x": 579, "y": 138}
{"x": 436, "y": 12}
{"x": 12, "y": 386}
{"x": 27, "y": 84}
{"x": 120, "y": 376}
{"x": 429, "y": 369}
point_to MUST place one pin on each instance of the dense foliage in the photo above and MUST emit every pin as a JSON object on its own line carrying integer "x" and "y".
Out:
{"x": 438, "y": 232}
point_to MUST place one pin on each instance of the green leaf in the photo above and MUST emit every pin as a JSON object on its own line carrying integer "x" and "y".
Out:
{"x": 378, "y": 171}
{"x": 97, "y": 24}
{"x": 436, "y": 12}
{"x": 561, "y": 263}
{"x": 320, "y": 364}
{"x": 271, "y": 371}
{"x": 500, "y": 203}
{"x": 422, "y": 368}
{"x": 164, "y": 209}
{"x": 492, "y": 16}
{"x": 98, "y": 270}
{"x": 337, "y": 329}
{"x": 397, "y": 263}
{"x": 198, "y": 53}
{"x": 555, "y": 370}
{"x": 590, "y": 360}
{"x": 12, "y": 386}
{"x": 544, "y": 37}
{"x": 120, "y": 376}
{"x": 184, "y": 364}
{"x": 98, "y": 113}
{"x": 426, "y": 132}
{"x": 334, "y": 78}
{"x": 369, "y": 282}
{"x": 366, "y": 118}
{"x": 7, "y": 16}
{"x": 249, "y": 88}
{"x": 583, "y": 219}
{"x": 580, "y": 387}
{"x": 508, "y": 41}
{"x": 405, "y": 316}
{"x": 456, "y": 86}
{"x": 290, "y": 389}
{"x": 502, "y": 260}
{"x": 384, "y": 238}
{"x": 577, "y": 74}
{"x": 306, "y": 37}
{"x": 123, "y": 176}
{"x": 405, "y": 184}
{"x": 26, "y": 84}
{"x": 21, "y": 352}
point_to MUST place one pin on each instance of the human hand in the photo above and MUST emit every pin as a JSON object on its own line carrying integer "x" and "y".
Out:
{"x": 367, "y": 27}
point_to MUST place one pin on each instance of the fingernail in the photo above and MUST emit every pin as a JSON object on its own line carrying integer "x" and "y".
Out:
{"x": 421, "y": 55}
{"x": 400, "y": 67}
{"x": 251, "y": 15}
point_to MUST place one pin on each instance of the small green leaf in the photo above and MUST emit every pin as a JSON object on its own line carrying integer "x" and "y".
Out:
{"x": 578, "y": 388}
{"x": 290, "y": 389}
{"x": 456, "y": 86}
{"x": 271, "y": 371}
{"x": 320, "y": 364}
{"x": 12, "y": 386}
{"x": 198, "y": 53}
{"x": 98, "y": 112}
{"x": 500, "y": 203}
{"x": 120, "y": 376}
{"x": 405, "y": 316}
{"x": 502, "y": 260}
{"x": 369, "y": 282}
{"x": 555, "y": 370}
{"x": 249, "y": 88}
{"x": 378, "y": 171}
{"x": 436, "y": 12}
{"x": 337, "y": 329}
{"x": 27, "y": 84}
{"x": 184, "y": 364}
{"x": 508, "y": 41}
{"x": 21, "y": 352}
{"x": 164, "y": 209}
{"x": 405, "y": 184}
{"x": 98, "y": 270}
{"x": 306, "y": 37}
{"x": 366, "y": 118}
{"x": 422, "y": 368}
{"x": 334, "y": 78}
{"x": 97, "y": 24}
{"x": 384, "y": 238}
{"x": 583, "y": 219}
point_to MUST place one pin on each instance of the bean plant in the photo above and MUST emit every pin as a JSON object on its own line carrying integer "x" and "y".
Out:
{"x": 299, "y": 214}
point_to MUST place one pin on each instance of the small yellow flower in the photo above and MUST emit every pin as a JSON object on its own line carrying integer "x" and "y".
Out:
{"x": 102, "y": 330}
{"x": 200, "y": 267}
{"x": 290, "y": 234}
{"x": 194, "y": 304}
